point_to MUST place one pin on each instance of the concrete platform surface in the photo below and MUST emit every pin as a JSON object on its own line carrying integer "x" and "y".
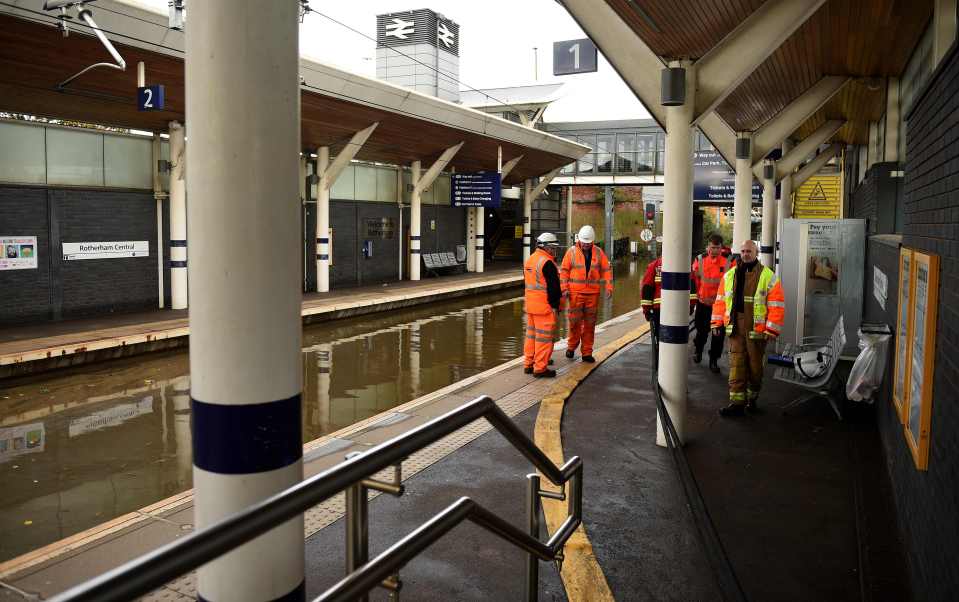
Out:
{"x": 34, "y": 348}
{"x": 798, "y": 500}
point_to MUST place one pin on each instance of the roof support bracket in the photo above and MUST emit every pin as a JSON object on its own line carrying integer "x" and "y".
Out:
{"x": 543, "y": 183}
{"x": 508, "y": 167}
{"x": 426, "y": 180}
{"x": 731, "y": 61}
{"x": 121, "y": 65}
{"x": 812, "y": 168}
{"x": 806, "y": 147}
{"x": 331, "y": 173}
{"x": 773, "y": 132}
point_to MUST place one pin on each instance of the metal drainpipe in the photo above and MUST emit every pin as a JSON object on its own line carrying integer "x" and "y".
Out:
{"x": 677, "y": 240}
{"x": 768, "y": 239}
{"x": 245, "y": 329}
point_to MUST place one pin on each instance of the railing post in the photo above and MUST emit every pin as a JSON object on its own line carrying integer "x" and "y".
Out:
{"x": 357, "y": 530}
{"x": 532, "y": 562}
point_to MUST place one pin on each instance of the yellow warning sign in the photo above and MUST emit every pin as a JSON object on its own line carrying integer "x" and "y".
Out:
{"x": 818, "y": 198}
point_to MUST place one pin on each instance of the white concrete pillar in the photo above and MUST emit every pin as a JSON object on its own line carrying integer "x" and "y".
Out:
{"x": 471, "y": 239}
{"x": 179, "y": 298}
{"x": 677, "y": 250}
{"x": 743, "y": 196}
{"x": 527, "y": 213}
{"x": 322, "y": 221}
{"x": 785, "y": 209}
{"x": 569, "y": 215}
{"x": 415, "y": 221}
{"x": 480, "y": 238}
{"x": 768, "y": 238}
{"x": 245, "y": 330}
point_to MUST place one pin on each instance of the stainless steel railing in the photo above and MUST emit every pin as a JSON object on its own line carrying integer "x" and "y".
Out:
{"x": 150, "y": 571}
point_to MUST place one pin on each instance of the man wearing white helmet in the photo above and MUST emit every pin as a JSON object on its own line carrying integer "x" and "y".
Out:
{"x": 585, "y": 270}
{"x": 543, "y": 296}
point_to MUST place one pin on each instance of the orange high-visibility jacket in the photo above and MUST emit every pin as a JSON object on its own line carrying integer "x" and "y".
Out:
{"x": 537, "y": 300}
{"x": 573, "y": 276}
{"x": 769, "y": 303}
{"x": 707, "y": 274}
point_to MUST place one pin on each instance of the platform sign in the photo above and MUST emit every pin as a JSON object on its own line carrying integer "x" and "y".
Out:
{"x": 18, "y": 252}
{"x": 574, "y": 56}
{"x": 479, "y": 189}
{"x": 150, "y": 98}
{"x": 105, "y": 250}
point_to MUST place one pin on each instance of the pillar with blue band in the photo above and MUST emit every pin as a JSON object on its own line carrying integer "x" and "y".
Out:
{"x": 768, "y": 238}
{"x": 245, "y": 363}
{"x": 679, "y": 83}
{"x": 179, "y": 297}
{"x": 322, "y": 220}
{"x": 416, "y": 220}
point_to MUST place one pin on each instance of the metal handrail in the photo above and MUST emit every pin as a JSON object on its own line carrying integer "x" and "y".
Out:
{"x": 152, "y": 570}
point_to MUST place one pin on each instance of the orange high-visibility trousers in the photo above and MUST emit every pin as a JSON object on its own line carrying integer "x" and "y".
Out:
{"x": 583, "y": 308}
{"x": 539, "y": 340}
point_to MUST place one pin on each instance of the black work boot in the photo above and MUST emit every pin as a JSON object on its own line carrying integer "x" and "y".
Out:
{"x": 589, "y": 359}
{"x": 545, "y": 373}
{"x": 751, "y": 406}
{"x": 570, "y": 353}
{"x": 698, "y": 356}
{"x": 528, "y": 370}
{"x": 714, "y": 366}
{"x": 733, "y": 409}
{"x": 550, "y": 361}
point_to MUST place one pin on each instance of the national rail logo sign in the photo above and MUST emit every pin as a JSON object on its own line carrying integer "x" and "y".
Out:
{"x": 415, "y": 27}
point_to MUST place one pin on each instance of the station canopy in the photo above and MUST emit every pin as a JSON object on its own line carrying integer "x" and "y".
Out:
{"x": 335, "y": 104}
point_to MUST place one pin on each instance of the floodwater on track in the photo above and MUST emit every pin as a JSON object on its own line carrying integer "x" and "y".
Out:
{"x": 83, "y": 446}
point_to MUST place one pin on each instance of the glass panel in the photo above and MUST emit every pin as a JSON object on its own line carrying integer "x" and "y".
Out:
{"x": 386, "y": 185}
{"x": 588, "y": 160}
{"x": 646, "y": 158}
{"x": 344, "y": 189}
{"x": 74, "y": 157}
{"x": 604, "y": 155}
{"x": 625, "y": 153}
{"x": 128, "y": 162}
{"x": 441, "y": 190}
{"x": 365, "y": 182}
{"x": 22, "y": 157}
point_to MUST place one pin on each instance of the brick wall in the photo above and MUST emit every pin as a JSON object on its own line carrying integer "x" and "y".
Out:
{"x": 863, "y": 203}
{"x": 26, "y": 293}
{"x": 927, "y": 502}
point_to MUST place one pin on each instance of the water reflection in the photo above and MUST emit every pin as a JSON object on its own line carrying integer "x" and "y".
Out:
{"x": 95, "y": 443}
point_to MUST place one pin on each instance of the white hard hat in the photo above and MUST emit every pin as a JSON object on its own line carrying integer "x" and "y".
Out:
{"x": 546, "y": 238}
{"x": 587, "y": 234}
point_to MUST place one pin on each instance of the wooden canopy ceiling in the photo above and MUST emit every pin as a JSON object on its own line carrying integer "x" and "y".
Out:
{"x": 864, "y": 39}
{"x": 34, "y": 58}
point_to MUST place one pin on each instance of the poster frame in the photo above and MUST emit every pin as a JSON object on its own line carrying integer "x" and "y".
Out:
{"x": 905, "y": 294}
{"x": 920, "y": 448}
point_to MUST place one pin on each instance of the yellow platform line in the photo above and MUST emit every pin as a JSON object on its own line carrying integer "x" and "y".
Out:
{"x": 582, "y": 576}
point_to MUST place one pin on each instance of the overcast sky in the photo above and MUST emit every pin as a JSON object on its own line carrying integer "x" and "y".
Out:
{"x": 496, "y": 49}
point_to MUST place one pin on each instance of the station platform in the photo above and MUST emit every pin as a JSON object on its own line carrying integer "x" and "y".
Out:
{"x": 800, "y": 502}
{"x": 31, "y": 349}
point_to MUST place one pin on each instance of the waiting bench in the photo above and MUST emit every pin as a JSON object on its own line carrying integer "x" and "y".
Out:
{"x": 825, "y": 385}
{"x": 437, "y": 262}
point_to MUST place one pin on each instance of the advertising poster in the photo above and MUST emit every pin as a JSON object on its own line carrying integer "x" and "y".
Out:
{"x": 19, "y": 440}
{"x": 19, "y": 252}
{"x": 824, "y": 251}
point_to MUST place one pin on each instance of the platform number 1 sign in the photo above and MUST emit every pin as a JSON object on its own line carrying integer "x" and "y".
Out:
{"x": 150, "y": 98}
{"x": 574, "y": 56}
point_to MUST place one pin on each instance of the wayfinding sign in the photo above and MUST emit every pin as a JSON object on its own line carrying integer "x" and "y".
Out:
{"x": 150, "y": 98}
{"x": 713, "y": 180}
{"x": 479, "y": 189}
{"x": 574, "y": 56}
{"x": 105, "y": 250}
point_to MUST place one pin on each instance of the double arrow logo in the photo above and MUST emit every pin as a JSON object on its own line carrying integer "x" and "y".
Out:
{"x": 399, "y": 28}
{"x": 445, "y": 35}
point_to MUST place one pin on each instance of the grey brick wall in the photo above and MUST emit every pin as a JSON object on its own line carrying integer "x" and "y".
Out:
{"x": 863, "y": 200}
{"x": 928, "y": 502}
{"x": 26, "y": 294}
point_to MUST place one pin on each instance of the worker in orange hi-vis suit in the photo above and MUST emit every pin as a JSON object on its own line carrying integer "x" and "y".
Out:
{"x": 543, "y": 297}
{"x": 584, "y": 272}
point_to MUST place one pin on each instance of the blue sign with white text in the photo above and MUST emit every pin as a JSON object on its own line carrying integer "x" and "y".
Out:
{"x": 479, "y": 189}
{"x": 150, "y": 98}
{"x": 714, "y": 181}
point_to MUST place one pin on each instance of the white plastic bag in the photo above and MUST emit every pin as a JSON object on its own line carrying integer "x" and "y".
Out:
{"x": 866, "y": 375}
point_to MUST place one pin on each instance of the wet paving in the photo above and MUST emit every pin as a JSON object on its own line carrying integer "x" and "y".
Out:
{"x": 90, "y": 444}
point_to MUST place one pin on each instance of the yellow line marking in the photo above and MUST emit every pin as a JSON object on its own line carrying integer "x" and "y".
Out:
{"x": 582, "y": 576}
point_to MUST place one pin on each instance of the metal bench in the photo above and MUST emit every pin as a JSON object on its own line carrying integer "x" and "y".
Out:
{"x": 434, "y": 262}
{"x": 825, "y": 385}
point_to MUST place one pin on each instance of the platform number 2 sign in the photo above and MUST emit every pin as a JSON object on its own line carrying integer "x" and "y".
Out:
{"x": 150, "y": 98}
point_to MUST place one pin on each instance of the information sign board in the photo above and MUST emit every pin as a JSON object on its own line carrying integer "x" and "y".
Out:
{"x": 479, "y": 189}
{"x": 105, "y": 250}
{"x": 150, "y": 98}
{"x": 713, "y": 180}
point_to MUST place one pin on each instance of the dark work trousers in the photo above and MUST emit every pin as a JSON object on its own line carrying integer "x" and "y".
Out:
{"x": 704, "y": 314}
